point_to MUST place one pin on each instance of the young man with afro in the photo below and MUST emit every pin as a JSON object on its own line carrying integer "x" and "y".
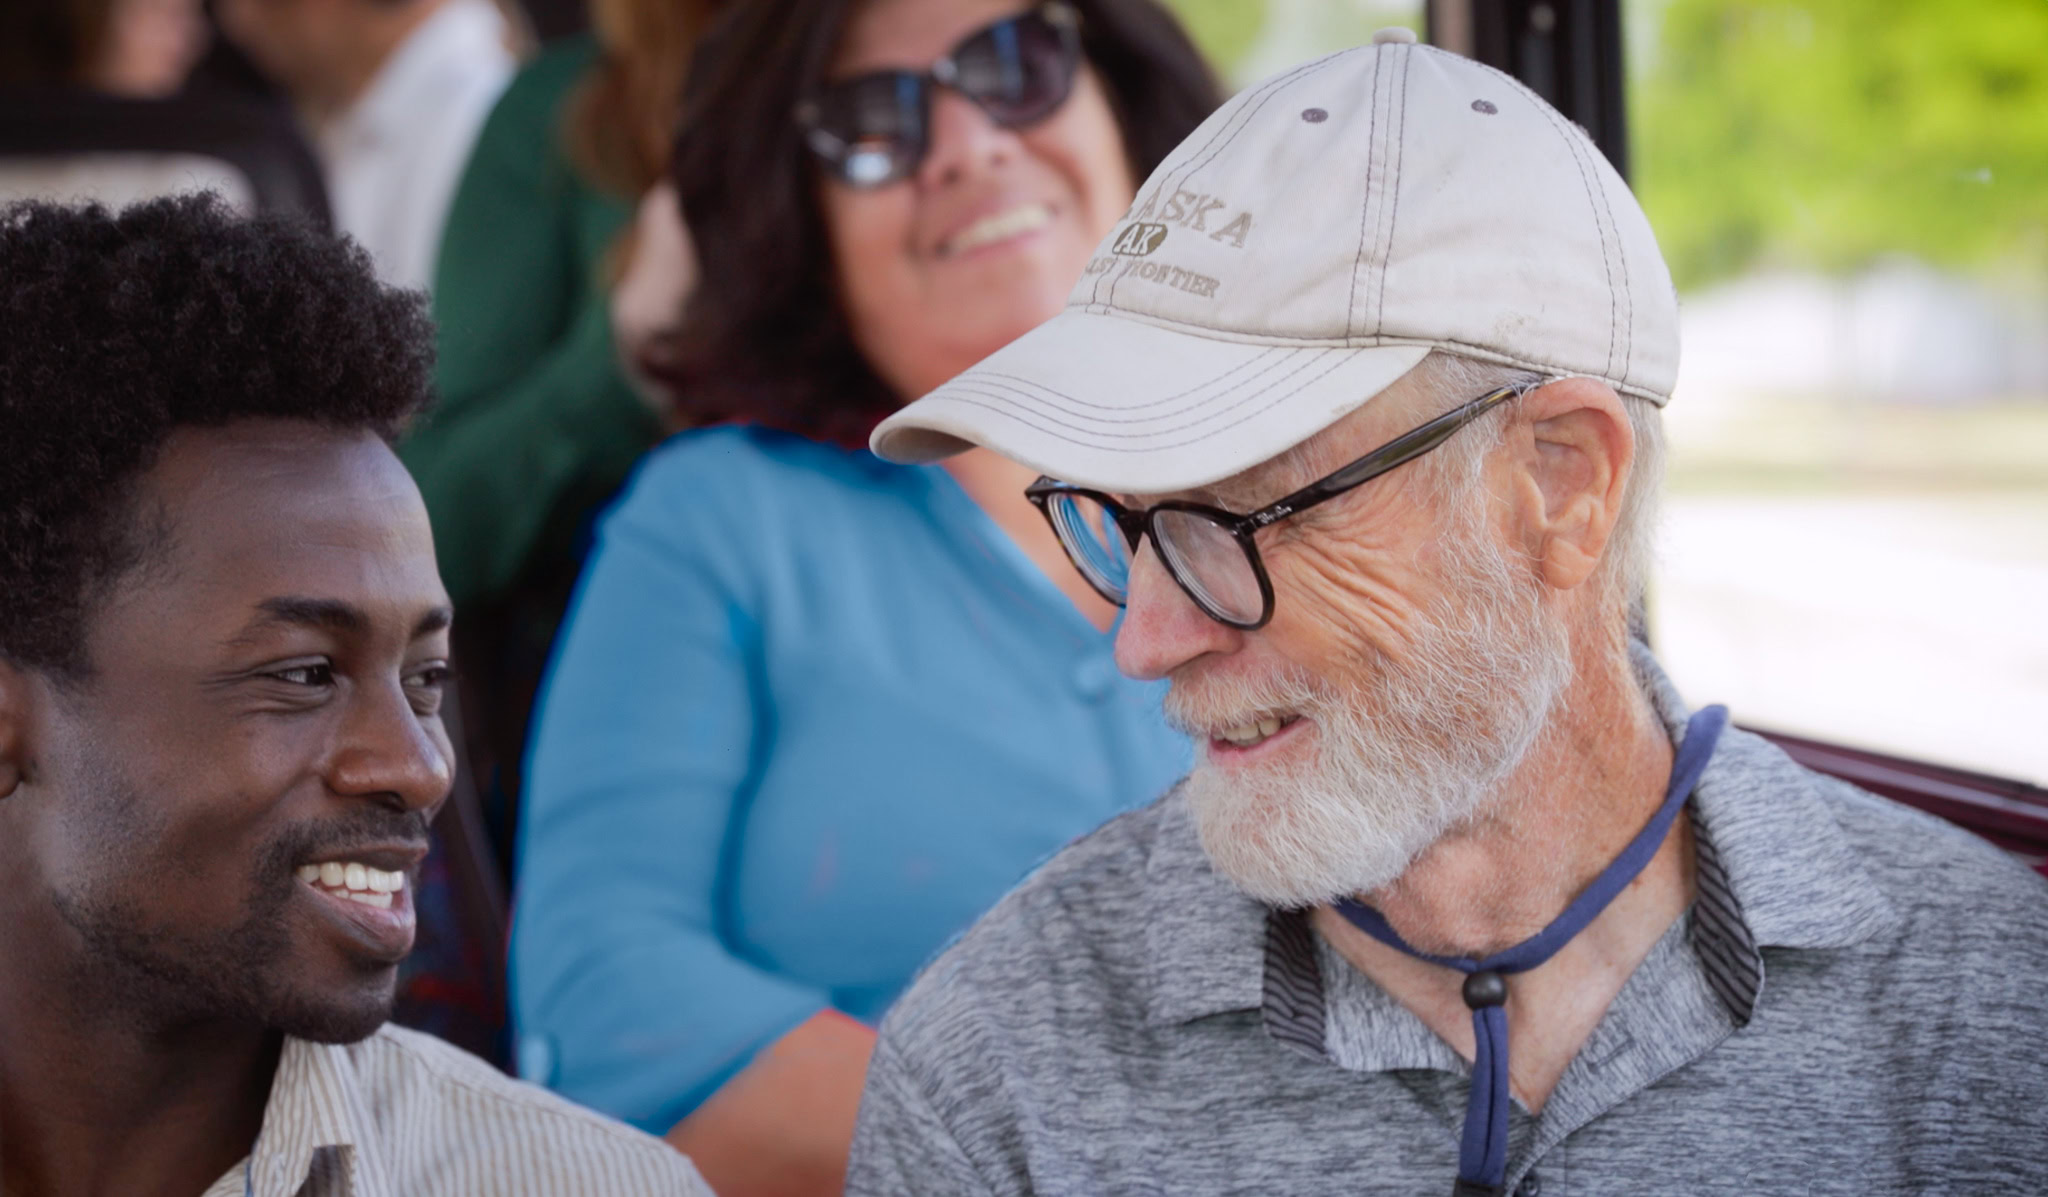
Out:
{"x": 223, "y": 645}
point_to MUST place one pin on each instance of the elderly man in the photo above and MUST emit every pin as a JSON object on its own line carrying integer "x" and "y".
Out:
{"x": 1358, "y": 416}
{"x": 222, "y": 652}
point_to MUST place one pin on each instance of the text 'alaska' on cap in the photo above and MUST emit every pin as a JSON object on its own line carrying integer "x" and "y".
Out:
{"x": 1304, "y": 248}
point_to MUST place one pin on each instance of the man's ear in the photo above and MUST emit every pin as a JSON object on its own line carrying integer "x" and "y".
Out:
{"x": 1573, "y": 474}
{"x": 14, "y": 726}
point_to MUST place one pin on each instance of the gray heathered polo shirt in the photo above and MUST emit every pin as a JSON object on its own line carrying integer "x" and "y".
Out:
{"x": 1856, "y": 1003}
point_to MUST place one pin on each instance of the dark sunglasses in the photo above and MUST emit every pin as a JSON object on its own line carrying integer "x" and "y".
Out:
{"x": 876, "y": 128}
{"x": 1209, "y": 552}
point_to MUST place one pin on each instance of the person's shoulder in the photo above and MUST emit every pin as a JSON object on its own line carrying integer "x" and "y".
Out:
{"x": 460, "y": 1117}
{"x": 1941, "y": 876}
{"x": 1065, "y": 949}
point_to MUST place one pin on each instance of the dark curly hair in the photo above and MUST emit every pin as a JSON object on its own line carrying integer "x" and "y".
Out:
{"x": 117, "y": 329}
{"x": 763, "y": 339}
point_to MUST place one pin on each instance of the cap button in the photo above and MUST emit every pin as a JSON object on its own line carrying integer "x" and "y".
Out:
{"x": 1394, "y": 33}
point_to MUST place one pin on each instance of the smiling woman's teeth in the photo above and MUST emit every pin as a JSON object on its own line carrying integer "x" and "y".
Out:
{"x": 356, "y": 882}
{"x": 1247, "y": 734}
{"x": 1000, "y": 227}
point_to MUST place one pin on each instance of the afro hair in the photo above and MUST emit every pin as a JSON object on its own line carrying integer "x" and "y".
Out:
{"x": 117, "y": 329}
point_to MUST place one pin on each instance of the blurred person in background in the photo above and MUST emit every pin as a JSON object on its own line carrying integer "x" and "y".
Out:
{"x": 142, "y": 49}
{"x": 393, "y": 93}
{"x": 812, "y": 713}
{"x": 93, "y": 106}
{"x": 536, "y": 426}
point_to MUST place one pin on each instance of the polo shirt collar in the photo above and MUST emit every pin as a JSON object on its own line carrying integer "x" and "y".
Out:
{"x": 1206, "y": 940}
{"x": 1793, "y": 876}
{"x": 1775, "y": 871}
{"x": 317, "y": 1119}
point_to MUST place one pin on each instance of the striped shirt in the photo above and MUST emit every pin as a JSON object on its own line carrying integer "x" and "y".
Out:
{"x": 402, "y": 1114}
{"x": 1853, "y": 1004}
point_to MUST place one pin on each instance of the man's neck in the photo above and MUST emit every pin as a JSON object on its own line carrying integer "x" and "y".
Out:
{"x": 1591, "y": 784}
{"x": 1593, "y": 779}
{"x": 100, "y": 1101}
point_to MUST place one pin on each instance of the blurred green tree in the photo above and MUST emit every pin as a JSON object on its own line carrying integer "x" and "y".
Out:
{"x": 1828, "y": 133}
{"x": 1224, "y": 29}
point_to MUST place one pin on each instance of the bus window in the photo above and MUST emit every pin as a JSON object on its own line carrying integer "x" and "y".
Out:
{"x": 1856, "y": 215}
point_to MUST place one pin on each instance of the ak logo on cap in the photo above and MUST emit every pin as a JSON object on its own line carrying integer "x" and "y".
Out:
{"x": 1137, "y": 240}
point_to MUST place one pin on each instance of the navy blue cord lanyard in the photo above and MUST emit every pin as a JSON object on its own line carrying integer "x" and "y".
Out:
{"x": 1483, "y": 1150}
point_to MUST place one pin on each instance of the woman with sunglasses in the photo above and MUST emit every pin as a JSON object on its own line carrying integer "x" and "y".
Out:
{"x": 813, "y": 713}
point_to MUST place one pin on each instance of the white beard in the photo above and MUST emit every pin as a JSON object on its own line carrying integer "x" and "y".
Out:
{"x": 1401, "y": 757}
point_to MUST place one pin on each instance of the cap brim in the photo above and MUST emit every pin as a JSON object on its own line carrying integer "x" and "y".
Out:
{"x": 1127, "y": 406}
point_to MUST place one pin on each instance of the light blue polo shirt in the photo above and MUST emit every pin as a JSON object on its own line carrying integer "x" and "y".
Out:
{"x": 811, "y": 714}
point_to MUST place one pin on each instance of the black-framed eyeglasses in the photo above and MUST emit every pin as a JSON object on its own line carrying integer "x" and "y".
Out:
{"x": 876, "y": 128}
{"x": 1209, "y": 552}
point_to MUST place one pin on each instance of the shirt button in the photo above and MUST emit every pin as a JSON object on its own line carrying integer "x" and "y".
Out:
{"x": 1531, "y": 1186}
{"x": 1094, "y": 677}
{"x": 536, "y": 1060}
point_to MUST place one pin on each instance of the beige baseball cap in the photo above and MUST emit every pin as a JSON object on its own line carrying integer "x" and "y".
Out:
{"x": 1304, "y": 248}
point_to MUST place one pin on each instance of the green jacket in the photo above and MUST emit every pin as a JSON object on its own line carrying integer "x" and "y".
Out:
{"x": 536, "y": 426}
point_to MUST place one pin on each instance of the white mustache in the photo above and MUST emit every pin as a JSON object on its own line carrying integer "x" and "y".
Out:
{"x": 1401, "y": 753}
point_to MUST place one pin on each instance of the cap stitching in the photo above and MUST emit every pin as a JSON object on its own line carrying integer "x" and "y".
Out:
{"x": 1602, "y": 208}
{"x": 1095, "y": 293}
{"x": 1365, "y": 208}
{"x": 1226, "y": 399}
{"x": 1592, "y": 202}
{"x": 1379, "y": 314}
{"x": 1022, "y": 381}
{"x": 1599, "y": 228}
{"x": 1168, "y": 182}
{"x": 1215, "y": 149}
{"x": 1237, "y": 400}
{"x": 1221, "y": 397}
{"x": 969, "y": 400}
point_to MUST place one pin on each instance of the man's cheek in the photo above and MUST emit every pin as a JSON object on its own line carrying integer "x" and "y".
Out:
{"x": 1338, "y": 606}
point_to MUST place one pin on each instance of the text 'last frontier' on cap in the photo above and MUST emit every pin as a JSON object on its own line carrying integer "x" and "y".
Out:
{"x": 1304, "y": 248}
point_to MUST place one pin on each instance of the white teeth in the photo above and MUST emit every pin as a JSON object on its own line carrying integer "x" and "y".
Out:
{"x": 999, "y": 227}
{"x": 1245, "y": 735}
{"x": 380, "y": 901}
{"x": 354, "y": 879}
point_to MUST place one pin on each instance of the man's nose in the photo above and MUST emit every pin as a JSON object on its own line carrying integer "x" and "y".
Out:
{"x": 388, "y": 751}
{"x": 1162, "y": 628}
{"x": 963, "y": 140}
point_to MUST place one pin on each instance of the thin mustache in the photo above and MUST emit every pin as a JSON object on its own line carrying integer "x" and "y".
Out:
{"x": 364, "y": 826}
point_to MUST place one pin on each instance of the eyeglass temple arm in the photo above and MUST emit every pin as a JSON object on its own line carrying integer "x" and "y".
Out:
{"x": 1404, "y": 448}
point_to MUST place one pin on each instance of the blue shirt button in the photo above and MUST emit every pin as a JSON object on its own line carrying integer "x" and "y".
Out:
{"x": 537, "y": 1059}
{"x": 1095, "y": 677}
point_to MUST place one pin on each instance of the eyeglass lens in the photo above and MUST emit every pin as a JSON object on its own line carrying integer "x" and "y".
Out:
{"x": 1092, "y": 539}
{"x": 875, "y": 128}
{"x": 1210, "y": 563}
{"x": 1202, "y": 555}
